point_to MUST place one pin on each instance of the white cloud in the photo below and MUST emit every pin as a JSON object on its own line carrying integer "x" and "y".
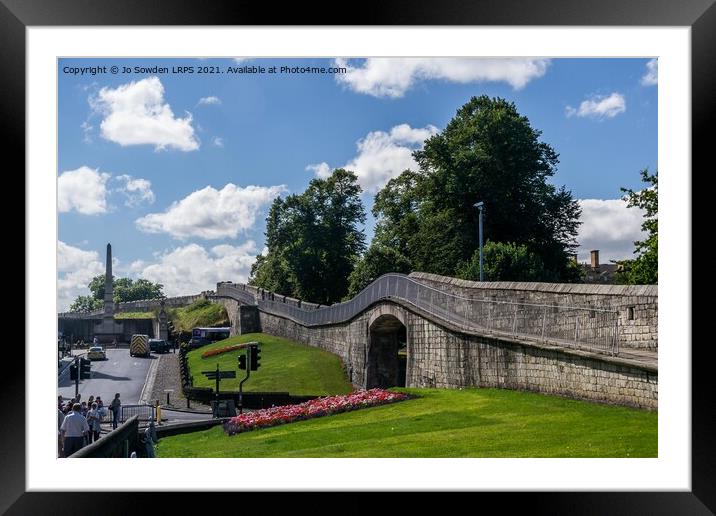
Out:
{"x": 611, "y": 227}
{"x": 211, "y": 213}
{"x": 599, "y": 107}
{"x": 382, "y": 155}
{"x": 137, "y": 114}
{"x": 218, "y": 142}
{"x": 392, "y": 77}
{"x": 135, "y": 190}
{"x": 87, "y": 131}
{"x": 192, "y": 269}
{"x": 83, "y": 190}
{"x": 76, "y": 269}
{"x": 209, "y": 100}
{"x": 321, "y": 170}
{"x": 651, "y": 77}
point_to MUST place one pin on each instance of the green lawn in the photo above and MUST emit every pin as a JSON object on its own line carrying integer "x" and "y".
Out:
{"x": 286, "y": 366}
{"x": 444, "y": 423}
{"x": 134, "y": 315}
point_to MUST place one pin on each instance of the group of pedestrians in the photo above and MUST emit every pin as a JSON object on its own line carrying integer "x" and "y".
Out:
{"x": 79, "y": 422}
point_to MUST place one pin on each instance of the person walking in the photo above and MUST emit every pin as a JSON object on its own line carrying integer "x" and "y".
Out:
{"x": 94, "y": 422}
{"x": 115, "y": 407}
{"x": 74, "y": 428}
{"x": 60, "y": 419}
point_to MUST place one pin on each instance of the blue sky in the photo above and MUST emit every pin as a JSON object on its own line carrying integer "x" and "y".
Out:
{"x": 177, "y": 170}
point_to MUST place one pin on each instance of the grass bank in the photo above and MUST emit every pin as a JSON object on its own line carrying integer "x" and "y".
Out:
{"x": 201, "y": 313}
{"x": 286, "y": 366}
{"x": 444, "y": 423}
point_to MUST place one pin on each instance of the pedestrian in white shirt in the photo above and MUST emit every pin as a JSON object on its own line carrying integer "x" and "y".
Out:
{"x": 74, "y": 428}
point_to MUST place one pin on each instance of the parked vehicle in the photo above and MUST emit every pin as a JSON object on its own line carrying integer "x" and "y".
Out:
{"x": 202, "y": 336}
{"x": 139, "y": 345}
{"x": 159, "y": 346}
{"x": 96, "y": 353}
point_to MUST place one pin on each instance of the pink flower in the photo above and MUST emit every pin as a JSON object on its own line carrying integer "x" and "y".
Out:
{"x": 310, "y": 409}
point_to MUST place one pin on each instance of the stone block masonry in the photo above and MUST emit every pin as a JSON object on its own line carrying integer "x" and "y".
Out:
{"x": 637, "y": 305}
{"x": 445, "y": 358}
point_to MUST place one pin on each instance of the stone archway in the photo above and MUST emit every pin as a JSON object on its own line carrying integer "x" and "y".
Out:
{"x": 387, "y": 349}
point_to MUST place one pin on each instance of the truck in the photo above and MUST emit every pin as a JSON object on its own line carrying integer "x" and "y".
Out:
{"x": 139, "y": 345}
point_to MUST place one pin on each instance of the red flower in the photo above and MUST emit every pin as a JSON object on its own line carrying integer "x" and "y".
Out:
{"x": 310, "y": 409}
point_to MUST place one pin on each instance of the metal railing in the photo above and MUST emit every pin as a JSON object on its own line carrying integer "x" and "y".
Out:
{"x": 235, "y": 291}
{"x": 590, "y": 328}
{"x": 144, "y": 412}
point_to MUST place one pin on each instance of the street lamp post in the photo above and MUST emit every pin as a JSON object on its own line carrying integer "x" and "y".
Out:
{"x": 479, "y": 206}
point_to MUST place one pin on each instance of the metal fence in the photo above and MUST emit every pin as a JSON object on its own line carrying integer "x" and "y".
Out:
{"x": 143, "y": 412}
{"x": 590, "y": 328}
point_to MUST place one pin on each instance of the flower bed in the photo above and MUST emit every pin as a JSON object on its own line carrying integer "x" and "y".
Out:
{"x": 225, "y": 349}
{"x": 310, "y": 409}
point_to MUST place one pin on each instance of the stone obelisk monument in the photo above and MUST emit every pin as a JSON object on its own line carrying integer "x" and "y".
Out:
{"x": 108, "y": 286}
{"x": 109, "y": 329}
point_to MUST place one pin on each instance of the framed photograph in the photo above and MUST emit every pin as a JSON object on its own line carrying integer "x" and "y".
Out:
{"x": 455, "y": 206}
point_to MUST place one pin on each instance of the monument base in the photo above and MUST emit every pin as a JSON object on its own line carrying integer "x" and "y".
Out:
{"x": 109, "y": 331}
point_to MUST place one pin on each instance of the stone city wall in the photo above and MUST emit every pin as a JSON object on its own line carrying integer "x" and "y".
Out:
{"x": 637, "y": 305}
{"x": 440, "y": 357}
{"x": 147, "y": 305}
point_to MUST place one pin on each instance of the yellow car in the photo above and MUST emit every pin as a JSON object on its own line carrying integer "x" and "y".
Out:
{"x": 96, "y": 353}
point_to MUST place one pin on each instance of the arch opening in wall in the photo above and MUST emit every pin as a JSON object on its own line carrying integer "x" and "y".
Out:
{"x": 387, "y": 353}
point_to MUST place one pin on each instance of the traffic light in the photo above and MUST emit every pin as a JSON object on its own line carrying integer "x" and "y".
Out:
{"x": 242, "y": 361}
{"x": 85, "y": 368}
{"x": 255, "y": 353}
{"x": 73, "y": 371}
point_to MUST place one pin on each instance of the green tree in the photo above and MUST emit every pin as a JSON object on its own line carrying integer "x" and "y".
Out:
{"x": 488, "y": 152}
{"x": 378, "y": 260}
{"x": 85, "y": 304}
{"x": 126, "y": 289}
{"x": 503, "y": 262}
{"x": 644, "y": 269}
{"x": 313, "y": 240}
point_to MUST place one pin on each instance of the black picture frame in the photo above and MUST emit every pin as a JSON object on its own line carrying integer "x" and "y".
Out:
{"x": 699, "y": 15}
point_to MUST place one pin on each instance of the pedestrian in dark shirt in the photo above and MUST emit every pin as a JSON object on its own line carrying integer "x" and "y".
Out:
{"x": 115, "y": 407}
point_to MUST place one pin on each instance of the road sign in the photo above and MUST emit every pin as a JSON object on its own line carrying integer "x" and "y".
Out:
{"x": 211, "y": 375}
{"x": 218, "y": 375}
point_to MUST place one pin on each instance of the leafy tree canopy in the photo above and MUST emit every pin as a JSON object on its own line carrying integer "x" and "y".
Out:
{"x": 313, "y": 240}
{"x": 85, "y": 304}
{"x": 488, "y": 152}
{"x": 644, "y": 269}
{"x": 503, "y": 262}
{"x": 126, "y": 289}
{"x": 378, "y": 260}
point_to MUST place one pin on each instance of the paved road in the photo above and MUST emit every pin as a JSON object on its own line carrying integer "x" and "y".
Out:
{"x": 119, "y": 373}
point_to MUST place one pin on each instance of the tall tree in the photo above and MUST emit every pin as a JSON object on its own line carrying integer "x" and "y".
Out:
{"x": 313, "y": 240}
{"x": 126, "y": 289}
{"x": 644, "y": 269}
{"x": 85, "y": 304}
{"x": 503, "y": 262}
{"x": 378, "y": 260}
{"x": 488, "y": 152}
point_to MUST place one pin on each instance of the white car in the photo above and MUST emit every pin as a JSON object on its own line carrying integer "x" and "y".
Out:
{"x": 96, "y": 353}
